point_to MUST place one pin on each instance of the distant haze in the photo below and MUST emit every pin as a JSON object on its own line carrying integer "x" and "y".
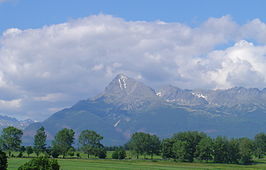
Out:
{"x": 44, "y": 70}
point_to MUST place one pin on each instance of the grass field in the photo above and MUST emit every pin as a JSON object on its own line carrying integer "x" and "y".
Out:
{"x": 108, "y": 164}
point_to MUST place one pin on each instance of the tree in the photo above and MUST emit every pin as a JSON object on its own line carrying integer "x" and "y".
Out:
{"x": 167, "y": 148}
{"x": 180, "y": 150}
{"x": 233, "y": 151}
{"x": 138, "y": 143}
{"x": 90, "y": 142}
{"x": 63, "y": 141}
{"x": 221, "y": 150}
{"x": 144, "y": 144}
{"x": 154, "y": 145}
{"x": 191, "y": 138}
{"x": 55, "y": 152}
{"x": 246, "y": 149}
{"x": 39, "y": 141}
{"x": 21, "y": 151}
{"x": 3, "y": 160}
{"x": 260, "y": 145}
{"x": 29, "y": 150}
{"x": 11, "y": 138}
{"x": 40, "y": 163}
{"x": 204, "y": 149}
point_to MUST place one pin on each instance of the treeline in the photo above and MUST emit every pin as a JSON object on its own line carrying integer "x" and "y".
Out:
{"x": 191, "y": 145}
{"x": 183, "y": 146}
{"x": 89, "y": 142}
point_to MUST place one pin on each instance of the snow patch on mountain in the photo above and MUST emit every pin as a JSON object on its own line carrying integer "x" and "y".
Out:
{"x": 159, "y": 94}
{"x": 116, "y": 124}
{"x": 199, "y": 95}
{"x": 122, "y": 82}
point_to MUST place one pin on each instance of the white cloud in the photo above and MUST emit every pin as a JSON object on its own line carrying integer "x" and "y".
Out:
{"x": 54, "y": 97}
{"x": 240, "y": 65}
{"x": 57, "y": 65}
{"x": 10, "y": 104}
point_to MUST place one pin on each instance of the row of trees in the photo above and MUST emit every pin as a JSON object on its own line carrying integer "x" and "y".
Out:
{"x": 89, "y": 141}
{"x": 183, "y": 146}
{"x": 187, "y": 146}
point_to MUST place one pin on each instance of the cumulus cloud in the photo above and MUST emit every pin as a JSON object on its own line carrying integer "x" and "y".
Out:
{"x": 55, "y": 66}
{"x": 240, "y": 65}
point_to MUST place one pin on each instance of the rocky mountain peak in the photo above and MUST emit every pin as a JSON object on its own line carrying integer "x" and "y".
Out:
{"x": 126, "y": 91}
{"x": 121, "y": 84}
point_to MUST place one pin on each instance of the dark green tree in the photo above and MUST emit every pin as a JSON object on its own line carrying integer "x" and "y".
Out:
{"x": 3, "y": 160}
{"x": 63, "y": 141}
{"x": 167, "y": 148}
{"x": 22, "y": 149}
{"x": 246, "y": 149}
{"x": 221, "y": 150}
{"x": 90, "y": 142}
{"x": 192, "y": 139}
{"x": 233, "y": 151}
{"x": 29, "y": 150}
{"x": 144, "y": 144}
{"x": 39, "y": 141}
{"x": 181, "y": 150}
{"x": 260, "y": 145}
{"x": 119, "y": 154}
{"x": 55, "y": 152}
{"x": 204, "y": 150}
{"x": 11, "y": 139}
{"x": 138, "y": 143}
{"x": 154, "y": 145}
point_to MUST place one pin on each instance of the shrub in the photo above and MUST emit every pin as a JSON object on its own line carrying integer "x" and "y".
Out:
{"x": 101, "y": 153}
{"x": 55, "y": 153}
{"x": 119, "y": 154}
{"x": 20, "y": 155}
{"x": 71, "y": 152}
{"x": 40, "y": 163}
{"x": 3, "y": 160}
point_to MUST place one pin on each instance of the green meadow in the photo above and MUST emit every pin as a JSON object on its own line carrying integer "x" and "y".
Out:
{"x": 109, "y": 164}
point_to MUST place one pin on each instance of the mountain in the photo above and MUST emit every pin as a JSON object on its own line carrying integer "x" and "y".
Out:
{"x": 127, "y": 106}
{"x": 6, "y": 121}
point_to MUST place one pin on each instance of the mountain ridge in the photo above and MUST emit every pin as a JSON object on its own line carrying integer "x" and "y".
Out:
{"x": 127, "y": 106}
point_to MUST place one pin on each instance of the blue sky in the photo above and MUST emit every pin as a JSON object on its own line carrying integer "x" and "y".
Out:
{"x": 25, "y": 14}
{"x": 54, "y": 53}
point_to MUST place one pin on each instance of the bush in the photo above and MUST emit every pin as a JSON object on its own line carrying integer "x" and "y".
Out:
{"x": 101, "y": 153}
{"x": 40, "y": 163}
{"x": 119, "y": 154}
{"x": 71, "y": 152}
{"x": 20, "y": 155}
{"x": 3, "y": 160}
{"x": 55, "y": 153}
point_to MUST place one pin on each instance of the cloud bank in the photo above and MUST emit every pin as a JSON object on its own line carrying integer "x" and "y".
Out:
{"x": 45, "y": 69}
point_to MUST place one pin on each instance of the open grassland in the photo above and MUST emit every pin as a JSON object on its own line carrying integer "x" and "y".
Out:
{"x": 108, "y": 164}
